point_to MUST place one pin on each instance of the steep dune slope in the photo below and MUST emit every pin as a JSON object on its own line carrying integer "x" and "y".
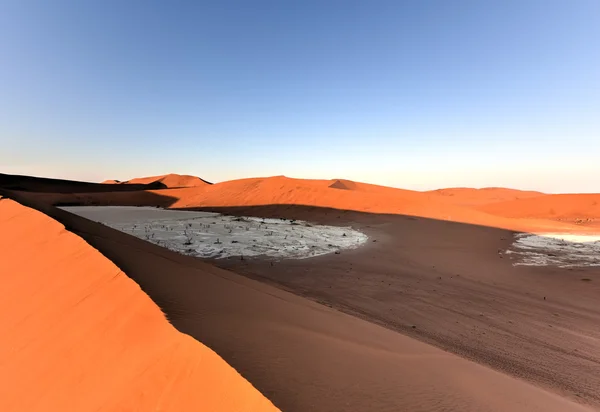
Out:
{"x": 169, "y": 181}
{"x": 367, "y": 187}
{"x": 465, "y": 196}
{"x": 79, "y": 335}
{"x": 49, "y": 185}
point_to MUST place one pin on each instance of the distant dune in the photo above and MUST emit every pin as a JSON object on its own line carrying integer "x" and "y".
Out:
{"x": 355, "y": 196}
{"x": 458, "y": 205}
{"x": 565, "y": 207}
{"x": 343, "y": 184}
{"x": 476, "y": 197}
{"x": 168, "y": 181}
{"x": 48, "y": 185}
{"x": 79, "y": 335}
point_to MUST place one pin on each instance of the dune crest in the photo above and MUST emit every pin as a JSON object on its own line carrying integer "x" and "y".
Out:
{"x": 465, "y": 196}
{"x": 169, "y": 181}
{"x": 343, "y": 184}
{"x": 80, "y": 335}
{"x": 362, "y": 198}
{"x": 462, "y": 205}
{"x": 579, "y": 208}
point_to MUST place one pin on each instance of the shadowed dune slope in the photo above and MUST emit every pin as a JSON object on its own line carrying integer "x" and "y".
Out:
{"x": 48, "y": 185}
{"x": 567, "y": 207}
{"x": 169, "y": 181}
{"x": 304, "y": 356}
{"x": 79, "y": 335}
{"x": 343, "y": 184}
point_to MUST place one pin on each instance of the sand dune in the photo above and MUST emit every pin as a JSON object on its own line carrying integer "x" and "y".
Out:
{"x": 79, "y": 335}
{"x": 343, "y": 184}
{"x": 169, "y": 181}
{"x": 47, "y": 185}
{"x": 565, "y": 207}
{"x": 334, "y": 194}
{"x": 361, "y": 197}
{"x": 464, "y": 196}
{"x": 305, "y": 356}
{"x": 308, "y": 357}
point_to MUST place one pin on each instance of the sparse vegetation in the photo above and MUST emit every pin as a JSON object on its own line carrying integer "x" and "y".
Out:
{"x": 198, "y": 237}
{"x": 188, "y": 238}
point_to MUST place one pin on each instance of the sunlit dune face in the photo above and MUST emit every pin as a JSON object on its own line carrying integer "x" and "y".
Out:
{"x": 556, "y": 249}
{"x": 510, "y": 209}
{"x": 82, "y": 336}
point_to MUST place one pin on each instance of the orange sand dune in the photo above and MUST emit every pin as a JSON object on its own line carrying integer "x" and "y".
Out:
{"x": 352, "y": 196}
{"x": 79, "y": 335}
{"x": 567, "y": 207}
{"x": 170, "y": 181}
{"x": 476, "y": 197}
{"x": 366, "y": 187}
{"x": 461, "y": 196}
{"x": 111, "y": 182}
{"x": 463, "y": 206}
{"x": 306, "y": 356}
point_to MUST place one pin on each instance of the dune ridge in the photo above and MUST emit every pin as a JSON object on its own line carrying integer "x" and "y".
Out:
{"x": 170, "y": 181}
{"x": 471, "y": 206}
{"x": 78, "y": 334}
{"x": 360, "y": 197}
{"x": 565, "y": 207}
{"x": 483, "y": 207}
{"x": 49, "y": 185}
{"x": 465, "y": 196}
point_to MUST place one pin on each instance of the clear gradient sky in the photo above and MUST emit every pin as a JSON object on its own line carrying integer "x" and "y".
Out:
{"x": 415, "y": 94}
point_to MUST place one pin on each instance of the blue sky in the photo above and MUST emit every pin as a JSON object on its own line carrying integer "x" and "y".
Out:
{"x": 414, "y": 94}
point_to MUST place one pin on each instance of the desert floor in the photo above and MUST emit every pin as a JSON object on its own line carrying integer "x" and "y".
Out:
{"x": 302, "y": 355}
{"x": 453, "y": 285}
{"x": 426, "y": 315}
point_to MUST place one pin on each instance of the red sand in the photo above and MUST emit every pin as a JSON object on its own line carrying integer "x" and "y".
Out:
{"x": 348, "y": 196}
{"x": 169, "y": 181}
{"x": 565, "y": 207}
{"x": 79, "y": 335}
{"x": 473, "y": 206}
{"x": 444, "y": 277}
{"x": 476, "y": 197}
{"x": 74, "y": 333}
{"x": 464, "y": 206}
